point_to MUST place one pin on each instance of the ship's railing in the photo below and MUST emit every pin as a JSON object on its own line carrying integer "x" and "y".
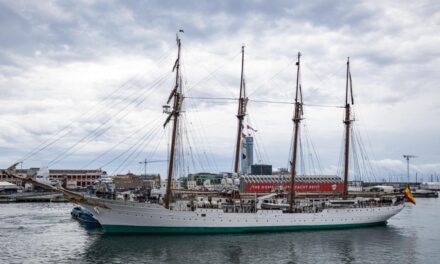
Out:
{"x": 249, "y": 206}
{"x": 240, "y": 208}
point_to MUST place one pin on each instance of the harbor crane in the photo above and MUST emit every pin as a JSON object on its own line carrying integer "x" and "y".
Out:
{"x": 145, "y": 162}
{"x": 408, "y": 157}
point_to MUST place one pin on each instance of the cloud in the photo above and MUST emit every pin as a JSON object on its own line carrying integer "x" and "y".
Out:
{"x": 60, "y": 58}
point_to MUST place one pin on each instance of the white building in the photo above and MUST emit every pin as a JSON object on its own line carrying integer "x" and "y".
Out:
{"x": 191, "y": 185}
{"x": 176, "y": 184}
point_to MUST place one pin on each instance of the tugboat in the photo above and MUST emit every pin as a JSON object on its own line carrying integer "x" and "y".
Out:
{"x": 83, "y": 215}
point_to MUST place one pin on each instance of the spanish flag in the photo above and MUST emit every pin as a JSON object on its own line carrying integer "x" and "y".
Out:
{"x": 408, "y": 195}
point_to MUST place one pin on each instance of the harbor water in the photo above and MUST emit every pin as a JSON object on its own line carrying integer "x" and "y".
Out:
{"x": 45, "y": 233}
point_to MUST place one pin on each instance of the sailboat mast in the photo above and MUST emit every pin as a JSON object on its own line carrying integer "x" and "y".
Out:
{"x": 347, "y": 122}
{"x": 241, "y": 112}
{"x": 174, "y": 115}
{"x": 296, "y": 121}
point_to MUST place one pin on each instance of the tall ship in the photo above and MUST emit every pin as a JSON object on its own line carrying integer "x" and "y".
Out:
{"x": 233, "y": 212}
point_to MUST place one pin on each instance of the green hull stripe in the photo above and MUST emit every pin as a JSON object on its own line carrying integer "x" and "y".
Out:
{"x": 210, "y": 230}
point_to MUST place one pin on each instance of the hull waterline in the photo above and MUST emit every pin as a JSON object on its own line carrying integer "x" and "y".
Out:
{"x": 226, "y": 230}
{"x": 131, "y": 217}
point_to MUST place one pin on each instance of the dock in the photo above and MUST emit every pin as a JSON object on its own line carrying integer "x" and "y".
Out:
{"x": 33, "y": 197}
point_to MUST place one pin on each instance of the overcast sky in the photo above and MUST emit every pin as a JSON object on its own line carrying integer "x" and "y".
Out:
{"x": 87, "y": 81}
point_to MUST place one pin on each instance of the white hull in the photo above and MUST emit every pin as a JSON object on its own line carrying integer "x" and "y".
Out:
{"x": 125, "y": 216}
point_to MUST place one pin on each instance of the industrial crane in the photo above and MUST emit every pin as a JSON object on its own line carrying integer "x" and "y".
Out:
{"x": 407, "y": 157}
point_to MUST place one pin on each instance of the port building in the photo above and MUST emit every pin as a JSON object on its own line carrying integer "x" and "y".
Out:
{"x": 75, "y": 179}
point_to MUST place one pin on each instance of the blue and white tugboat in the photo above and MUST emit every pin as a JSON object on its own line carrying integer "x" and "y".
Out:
{"x": 83, "y": 215}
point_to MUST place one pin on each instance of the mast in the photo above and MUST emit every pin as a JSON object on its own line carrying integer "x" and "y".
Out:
{"x": 296, "y": 121}
{"x": 176, "y": 96}
{"x": 347, "y": 121}
{"x": 241, "y": 112}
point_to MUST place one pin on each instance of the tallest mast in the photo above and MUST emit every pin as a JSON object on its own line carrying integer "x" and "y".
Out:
{"x": 176, "y": 96}
{"x": 296, "y": 121}
{"x": 241, "y": 112}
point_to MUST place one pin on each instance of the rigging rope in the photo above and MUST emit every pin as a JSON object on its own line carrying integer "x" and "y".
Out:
{"x": 127, "y": 150}
{"x": 200, "y": 134}
{"x": 137, "y": 147}
{"x": 259, "y": 146}
{"x": 273, "y": 76}
{"x": 137, "y": 152}
{"x": 211, "y": 73}
{"x": 55, "y": 138}
{"x": 118, "y": 144}
{"x": 96, "y": 133}
{"x": 52, "y": 139}
{"x": 260, "y": 101}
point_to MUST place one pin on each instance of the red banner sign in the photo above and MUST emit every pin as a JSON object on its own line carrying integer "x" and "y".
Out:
{"x": 265, "y": 187}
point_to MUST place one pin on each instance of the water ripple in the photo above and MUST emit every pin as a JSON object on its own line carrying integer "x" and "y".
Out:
{"x": 44, "y": 233}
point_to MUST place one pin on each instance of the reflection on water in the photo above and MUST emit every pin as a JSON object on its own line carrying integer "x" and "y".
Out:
{"x": 340, "y": 246}
{"x": 36, "y": 233}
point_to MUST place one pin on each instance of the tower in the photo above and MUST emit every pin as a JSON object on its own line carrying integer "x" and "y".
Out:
{"x": 247, "y": 154}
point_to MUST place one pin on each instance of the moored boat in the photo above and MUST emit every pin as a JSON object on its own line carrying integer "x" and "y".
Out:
{"x": 83, "y": 215}
{"x": 246, "y": 215}
{"x": 128, "y": 217}
{"x": 421, "y": 193}
{"x": 234, "y": 213}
